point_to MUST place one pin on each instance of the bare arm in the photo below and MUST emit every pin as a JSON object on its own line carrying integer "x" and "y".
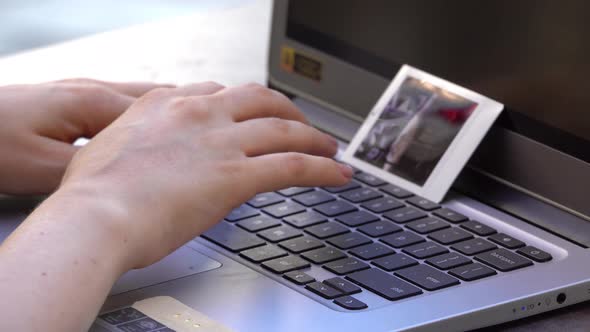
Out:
{"x": 162, "y": 173}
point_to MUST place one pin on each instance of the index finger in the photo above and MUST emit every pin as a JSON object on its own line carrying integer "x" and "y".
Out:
{"x": 132, "y": 89}
{"x": 252, "y": 101}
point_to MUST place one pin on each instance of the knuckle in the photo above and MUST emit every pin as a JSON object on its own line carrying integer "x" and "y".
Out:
{"x": 212, "y": 85}
{"x": 193, "y": 109}
{"x": 280, "y": 126}
{"x": 295, "y": 164}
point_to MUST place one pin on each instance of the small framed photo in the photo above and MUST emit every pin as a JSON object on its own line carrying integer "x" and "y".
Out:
{"x": 421, "y": 133}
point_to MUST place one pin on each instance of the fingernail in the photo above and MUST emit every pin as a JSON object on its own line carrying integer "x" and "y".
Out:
{"x": 332, "y": 140}
{"x": 345, "y": 170}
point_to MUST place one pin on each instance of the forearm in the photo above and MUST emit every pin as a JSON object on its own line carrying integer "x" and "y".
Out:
{"x": 59, "y": 265}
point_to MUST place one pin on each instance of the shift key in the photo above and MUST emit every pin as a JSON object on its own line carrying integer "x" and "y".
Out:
{"x": 384, "y": 284}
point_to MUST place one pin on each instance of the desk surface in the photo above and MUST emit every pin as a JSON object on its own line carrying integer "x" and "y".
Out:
{"x": 228, "y": 46}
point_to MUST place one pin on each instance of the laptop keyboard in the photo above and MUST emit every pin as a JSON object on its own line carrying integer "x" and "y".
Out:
{"x": 373, "y": 235}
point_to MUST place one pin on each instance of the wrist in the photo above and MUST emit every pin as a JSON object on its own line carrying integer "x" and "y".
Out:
{"x": 100, "y": 222}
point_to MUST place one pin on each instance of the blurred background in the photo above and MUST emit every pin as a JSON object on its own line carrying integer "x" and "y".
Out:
{"x": 29, "y": 24}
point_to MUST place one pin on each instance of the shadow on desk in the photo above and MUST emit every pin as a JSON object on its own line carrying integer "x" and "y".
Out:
{"x": 575, "y": 318}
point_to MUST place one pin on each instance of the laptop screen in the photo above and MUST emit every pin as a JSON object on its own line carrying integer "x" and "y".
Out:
{"x": 532, "y": 55}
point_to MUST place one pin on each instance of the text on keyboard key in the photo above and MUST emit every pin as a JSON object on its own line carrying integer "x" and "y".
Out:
{"x": 283, "y": 209}
{"x": 323, "y": 290}
{"x": 349, "y": 240}
{"x": 379, "y": 228}
{"x": 323, "y": 255}
{"x": 357, "y": 218}
{"x": 448, "y": 261}
{"x": 473, "y": 246}
{"x": 264, "y": 253}
{"x": 394, "y": 262}
{"x": 402, "y": 239}
{"x": 382, "y": 204}
{"x": 371, "y": 251}
{"x": 301, "y": 244}
{"x": 404, "y": 215}
{"x": 425, "y": 250}
{"x": 281, "y": 233}
{"x": 345, "y": 286}
{"x": 345, "y": 266}
{"x": 285, "y": 264}
{"x": 298, "y": 277}
{"x": 506, "y": 241}
{"x": 326, "y": 230}
{"x": 478, "y": 228}
{"x": 427, "y": 225}
{"x": 305, "y": 219}
{"x": 384, "y": 284}
{"x": 265, "y": 199}
{"x": 503, "y": 260}
{"x": 427, "y": 277}
{"x": 350, "y": 303}
{"x": 535, "y": 254}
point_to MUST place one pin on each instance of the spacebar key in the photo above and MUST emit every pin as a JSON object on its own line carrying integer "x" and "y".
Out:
{"x": 232, "y": 237}
{"x": 384, "y": 284}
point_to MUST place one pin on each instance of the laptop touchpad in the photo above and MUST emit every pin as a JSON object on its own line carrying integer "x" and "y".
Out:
{"x": 181, "y": 263}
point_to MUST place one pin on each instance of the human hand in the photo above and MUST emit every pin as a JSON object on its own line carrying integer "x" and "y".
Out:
{"x": 40, "y": 122}
{"x": 180, "y": 159}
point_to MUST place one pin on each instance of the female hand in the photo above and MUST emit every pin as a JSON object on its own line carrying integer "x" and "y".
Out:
{"x": 40, "y": 122}
{"x": 180, "y": 159}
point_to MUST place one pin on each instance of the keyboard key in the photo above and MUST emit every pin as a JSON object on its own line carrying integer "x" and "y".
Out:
{"x": 349, "y": 186}
{"x": 332, "y": 209}
{"x": 450, "y": 215}
{"x": 379, "y": 228}
{"x": 301, "y": 244}
{"x": 384, "y": 284}
{"x": 369, "y": 179}
{"x": 450, "y": 235}
{"x": 258, "y": 223}
{"x": 396, "y": 191}
{"x": 345, "y": 266}
{"x": 349, "y": 240}
{"x": 472, "y": 272}
{"x": 357, "y": 218}
{"x": 448, "y": 261}
{"x": 242, "y": 212}
{"x": 427, "y": 225}
{"x": 427, "y": 277}
{"x": 394, "y": 262}
{"x": 281, "y": 233}
{"x": 473, "y": 246}
{"x": 478, "y": 228}
{"x": 313, "y": 198}
{"x": 382, "y": 204}
{"x": 350, "y": 303}
{"x": 404, "y": 215}
{"x": 425, "y": 250}
{"x": 294, "y": 191}
{"x": 298, "y": 277}
{"x": 506, "y": 241}
{"x": 323, "y": 255}
{"x": 503, "y": 260}
{"x": 360, "y": 195}
{"x": 305, "y": 219}
{"x": 326, "y": 230}
{"x": 423, "y": 203}
{"x": 371, "y": 251}
{"x": 342, "y": 285}
{"x": 265, "y": 199}
{"x": 283, "y": 209}
{"x": 403, "y": 239}
{"x": 535, "y": 254}
{"x": 323, "y": 290}
{"x": 232, "y": 238}
{"x": 285, "y": 264}
{"x": 261, "y": 254}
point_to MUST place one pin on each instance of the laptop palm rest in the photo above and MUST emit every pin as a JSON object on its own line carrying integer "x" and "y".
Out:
{"x": 183, "y": 262}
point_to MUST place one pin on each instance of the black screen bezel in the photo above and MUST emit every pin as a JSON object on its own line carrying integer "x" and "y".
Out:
{"x": 510, "y": 119}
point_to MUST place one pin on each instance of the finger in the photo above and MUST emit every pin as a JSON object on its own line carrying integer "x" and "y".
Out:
{"x": 39, "y": 167}
{"x": 271, "y": 135}
{"x": 255, "y": 101}
{"x": 87, "y": 109}
{"x": 197, "y": 89}
{"x": 281, "y": 170}
{"x": 133, "y": 89}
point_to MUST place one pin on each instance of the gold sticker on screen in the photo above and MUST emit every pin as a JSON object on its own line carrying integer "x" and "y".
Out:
{"x": 304, "y": 65}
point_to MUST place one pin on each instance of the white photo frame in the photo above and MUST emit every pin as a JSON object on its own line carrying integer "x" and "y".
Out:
{"x": 421, "y": 133}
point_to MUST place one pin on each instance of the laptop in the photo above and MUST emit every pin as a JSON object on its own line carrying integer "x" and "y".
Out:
{"x": 509, "y": 241}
